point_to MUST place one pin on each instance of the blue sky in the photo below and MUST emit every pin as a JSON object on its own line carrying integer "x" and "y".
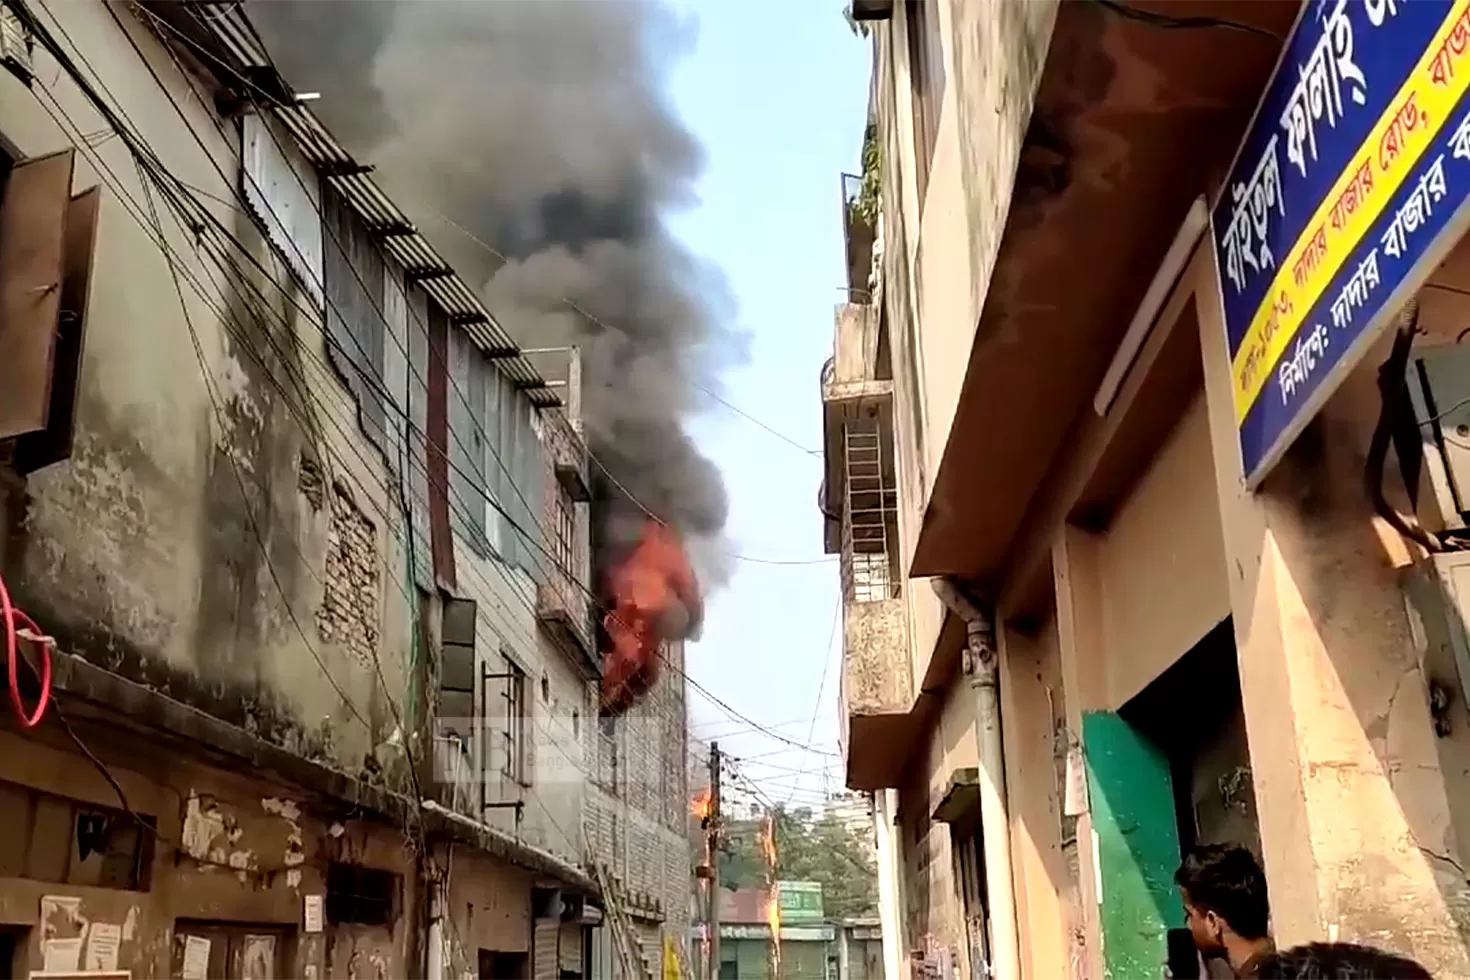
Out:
{"x": 777, "y": 93}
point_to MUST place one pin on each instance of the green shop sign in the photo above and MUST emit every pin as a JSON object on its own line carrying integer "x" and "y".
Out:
{"x": 800, "y": 901}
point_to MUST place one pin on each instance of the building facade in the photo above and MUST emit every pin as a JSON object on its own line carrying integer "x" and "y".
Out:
{"x": 1177, "y": 592}
{"x": 306, "y": 537}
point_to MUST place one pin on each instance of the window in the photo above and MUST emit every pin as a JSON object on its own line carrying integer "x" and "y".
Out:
{"x": 279, "y": 186}
{"x": 47, "y": 236}
{"x": 607, "y": 752}
{"x": 232, "y": 951}
{"x": 870, "y": 512}
{"x": 355, "y": 327}
{"x": 564, "y": 531}
{"x": 54, "y": 839}
{"x": 513, "y": 764}
{"x": 926, "y": 81}
{"x": 357, "y": 894}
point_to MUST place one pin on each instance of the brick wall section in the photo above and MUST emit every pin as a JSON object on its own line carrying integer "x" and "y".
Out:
{"x": 637, "y": 810}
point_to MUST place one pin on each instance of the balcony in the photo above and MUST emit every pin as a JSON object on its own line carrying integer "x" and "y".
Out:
{"x": 857, "y": 389}
{"x": 563, "y": 608}
{"x": 564, "y": 612}
{"x": 568, "y": 453}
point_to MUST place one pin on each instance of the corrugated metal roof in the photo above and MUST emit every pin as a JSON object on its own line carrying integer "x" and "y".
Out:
{"x": 227, "y": 22}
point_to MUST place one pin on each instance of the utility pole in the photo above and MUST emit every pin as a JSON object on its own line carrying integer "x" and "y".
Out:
{"x": 712, "y": 918}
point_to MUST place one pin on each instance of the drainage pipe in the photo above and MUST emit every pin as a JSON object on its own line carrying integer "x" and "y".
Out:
{"x": 981, "y": 669}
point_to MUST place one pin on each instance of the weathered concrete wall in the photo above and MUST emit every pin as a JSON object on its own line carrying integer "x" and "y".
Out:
{"x": 488, "y": 906}
{"x": 938, "y": 253}
{"x": 229, "y": 849}
{"x": 1356, "y": 827}
{"x": 930, "y": 871}
{"x": 1043, "y": 842}
{"x": 210, "y": 537}
{"x": 1163, "y": 563}
{"x": 875, "y": 660}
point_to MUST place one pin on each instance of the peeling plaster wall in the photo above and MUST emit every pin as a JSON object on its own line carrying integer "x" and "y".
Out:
{"x": 933, "y": 913}
{"x": 229, "y": 849}
{"x": 211, "y": 540}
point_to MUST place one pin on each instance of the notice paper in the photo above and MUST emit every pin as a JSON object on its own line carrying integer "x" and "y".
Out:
{"x": 61, "y": 955}
{"x": 312, "y": 913}
{"x": 196, "y": 958}
{"x": 103, "y": 940}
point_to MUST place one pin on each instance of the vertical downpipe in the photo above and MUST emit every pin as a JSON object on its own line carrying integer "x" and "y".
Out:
{"x": 981, "y": 666}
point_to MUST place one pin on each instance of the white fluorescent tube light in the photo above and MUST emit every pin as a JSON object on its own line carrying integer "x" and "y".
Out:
{"x": 1195, "y": 223}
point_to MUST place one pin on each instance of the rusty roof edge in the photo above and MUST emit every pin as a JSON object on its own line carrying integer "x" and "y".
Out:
{"x": 229, "y": 25}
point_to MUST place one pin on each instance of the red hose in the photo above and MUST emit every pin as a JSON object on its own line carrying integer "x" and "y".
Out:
{"x": 14, "y": 617}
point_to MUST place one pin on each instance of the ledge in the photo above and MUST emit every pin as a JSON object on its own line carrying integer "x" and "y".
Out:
{"x": 191, "y": 731}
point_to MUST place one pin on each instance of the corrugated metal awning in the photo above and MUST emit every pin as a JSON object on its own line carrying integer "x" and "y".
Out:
{"x": 228, "y": 26}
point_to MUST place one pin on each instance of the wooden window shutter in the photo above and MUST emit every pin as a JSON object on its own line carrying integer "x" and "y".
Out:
{"x": 32, "y": 248}
{"x": 54, "y": 443}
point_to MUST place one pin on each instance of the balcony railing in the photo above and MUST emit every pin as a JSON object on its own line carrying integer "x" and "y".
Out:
{"x": 859, "y": 234}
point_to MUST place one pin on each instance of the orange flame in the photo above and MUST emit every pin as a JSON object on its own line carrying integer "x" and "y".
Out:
{"x": 654, "y": 598}
{"x": 700, "y": 805}
{"x": 773, "y": 897}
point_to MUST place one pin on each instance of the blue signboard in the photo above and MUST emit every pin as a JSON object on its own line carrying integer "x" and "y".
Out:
{"x": 1350, "y": 186}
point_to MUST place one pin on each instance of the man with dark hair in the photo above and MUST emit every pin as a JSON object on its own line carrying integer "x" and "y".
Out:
{"x": 1339, "y": 961}
{"x": 1225, "y": 904}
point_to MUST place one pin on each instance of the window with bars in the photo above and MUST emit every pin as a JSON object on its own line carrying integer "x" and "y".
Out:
{"x": 358, "y": 894}
{"x": 563, "y": 531}
{"x": 513, "y": 763}
{"x": 870, "y": 512}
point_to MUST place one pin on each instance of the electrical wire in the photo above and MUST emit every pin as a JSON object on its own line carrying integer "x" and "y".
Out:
{"x": 1170, "y": 22}
{"x": 174, "y": 271}
{"x": 699, "y": 688}
{"x": 19, "y": 626}
{"x": 827, "y": 659}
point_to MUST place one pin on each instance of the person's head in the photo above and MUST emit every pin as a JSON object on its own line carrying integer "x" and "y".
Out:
{"x": 1224, "y": 894}
{"x": 1338, "y": 961}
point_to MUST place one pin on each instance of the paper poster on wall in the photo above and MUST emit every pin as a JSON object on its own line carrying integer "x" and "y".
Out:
{"x": 259, "y": 958}
{"x": 196, "y": 958}
{"x": 312, "y": 913}
{"x": 103, "y": 941}
{"x": 61, "y": 955}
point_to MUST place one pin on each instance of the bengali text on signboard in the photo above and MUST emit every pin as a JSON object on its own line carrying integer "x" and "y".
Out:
{"x": 1350, "y": 184}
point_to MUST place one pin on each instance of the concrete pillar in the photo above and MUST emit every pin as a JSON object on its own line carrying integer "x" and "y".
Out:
{"x": 1355, "y": 828}
{"x": 890, "y": 915}
{"x": 1031, "y": 694}
{"x": 1084, "y": 685}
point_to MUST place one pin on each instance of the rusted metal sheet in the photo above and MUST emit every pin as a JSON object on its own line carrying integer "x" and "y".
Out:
{"x": 54, "y": 443}
{"x": 32, "y": 247}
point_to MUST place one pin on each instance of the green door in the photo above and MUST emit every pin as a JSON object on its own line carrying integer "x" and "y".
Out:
{"x": 1133, "y": 818}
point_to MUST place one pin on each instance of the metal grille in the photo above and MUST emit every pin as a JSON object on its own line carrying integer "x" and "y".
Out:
{"x": 869, "y": 516}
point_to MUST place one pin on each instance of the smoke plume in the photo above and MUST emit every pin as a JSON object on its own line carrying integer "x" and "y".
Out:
{"x": 533, "y": 142}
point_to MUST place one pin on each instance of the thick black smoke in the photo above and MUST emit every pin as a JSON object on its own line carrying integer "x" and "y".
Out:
{"x": 540, "y": 131}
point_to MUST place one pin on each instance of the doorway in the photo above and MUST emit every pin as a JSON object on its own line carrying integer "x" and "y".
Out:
{"x": 495, "y": 965}
{"x": 1193, "y": 714}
